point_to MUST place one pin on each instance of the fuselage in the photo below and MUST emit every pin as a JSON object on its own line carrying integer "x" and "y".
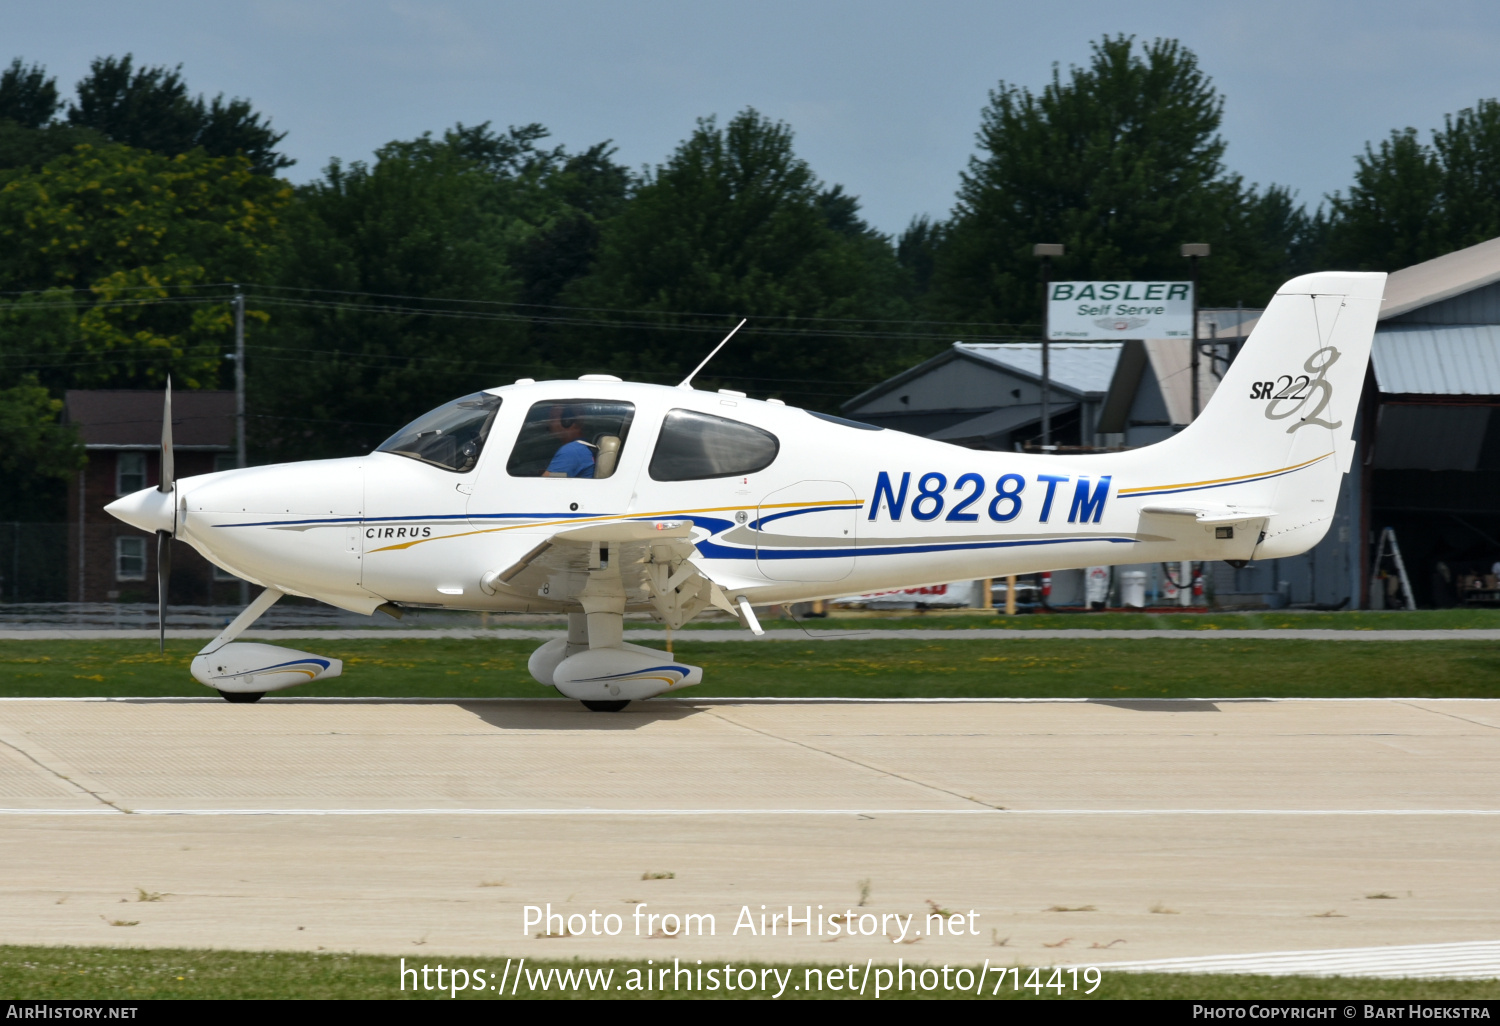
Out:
{"x": 839, "y": 509}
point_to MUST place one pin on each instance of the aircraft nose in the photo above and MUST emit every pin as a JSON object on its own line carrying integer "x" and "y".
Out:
{"x": 148, "y": 509}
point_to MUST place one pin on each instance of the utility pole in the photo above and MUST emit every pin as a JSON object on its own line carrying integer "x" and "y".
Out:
{"x": 239, "y": 377}
{"x": 1046, "y": 250}
{"x": 239, "y": 401}
{"x": 1194, "y": 250}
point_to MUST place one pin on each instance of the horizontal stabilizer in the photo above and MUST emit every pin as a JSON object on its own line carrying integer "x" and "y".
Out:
{"x": 1210, "y": 512}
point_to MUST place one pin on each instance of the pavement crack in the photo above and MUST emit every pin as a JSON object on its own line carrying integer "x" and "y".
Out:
{"x": 1451, "y": 716}
{"x": 11, "y": 742}
{"x": 855, "y": 762}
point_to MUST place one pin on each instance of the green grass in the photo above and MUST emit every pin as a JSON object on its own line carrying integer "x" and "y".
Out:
{"x": 1285, "y": 619}
{"x": 42, "y": 973}
{"x": 879, "y": 668}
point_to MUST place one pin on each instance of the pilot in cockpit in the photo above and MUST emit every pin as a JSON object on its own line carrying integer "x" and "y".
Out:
{"x": 574, "y": 457}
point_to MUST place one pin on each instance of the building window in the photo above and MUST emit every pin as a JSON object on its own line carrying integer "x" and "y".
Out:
{"x": 130, "y": 559}
{"x": 224, "y": 461}
{"x": 130, "y": 472}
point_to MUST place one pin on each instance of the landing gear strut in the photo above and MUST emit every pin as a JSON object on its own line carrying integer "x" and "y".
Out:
{"x": 594, "y": 664}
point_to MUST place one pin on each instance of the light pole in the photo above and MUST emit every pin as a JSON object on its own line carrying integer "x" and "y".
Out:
{"x": 1194, "y": 250}
{"x": 1046, "y": 250}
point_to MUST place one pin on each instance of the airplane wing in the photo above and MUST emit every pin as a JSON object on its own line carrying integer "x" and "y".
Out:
{"x": 1210, "y": 512}
{"x": 651, "y": 560}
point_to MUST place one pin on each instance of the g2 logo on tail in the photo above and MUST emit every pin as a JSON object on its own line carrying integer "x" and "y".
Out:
{"x": 1300, "y": 389}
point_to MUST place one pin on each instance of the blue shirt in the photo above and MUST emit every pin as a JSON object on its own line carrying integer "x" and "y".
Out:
{"x": 574, "y": 459}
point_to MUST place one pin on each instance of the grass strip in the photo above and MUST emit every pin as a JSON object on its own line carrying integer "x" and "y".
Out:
{"x": 1282, "y": 619}
{"x": 76, "y": 973}
{"x": 880, "y": 668}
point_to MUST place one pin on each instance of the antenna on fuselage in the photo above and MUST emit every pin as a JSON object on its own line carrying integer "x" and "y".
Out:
{"x": 687, "y": 382}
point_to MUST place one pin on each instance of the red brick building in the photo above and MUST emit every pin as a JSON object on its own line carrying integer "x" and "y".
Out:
{"x": 110, "y": 561}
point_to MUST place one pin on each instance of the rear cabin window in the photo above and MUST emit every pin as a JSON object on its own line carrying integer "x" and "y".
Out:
{"x": 694, "y": 446}
{"x": 451, "y": 436}
{"x": 571, "y": 438}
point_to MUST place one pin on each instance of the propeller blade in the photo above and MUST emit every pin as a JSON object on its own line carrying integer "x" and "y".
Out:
{"x": 163, "y": 577}
{"x": 168, "y": 471}
{"x": 166, "y": 483}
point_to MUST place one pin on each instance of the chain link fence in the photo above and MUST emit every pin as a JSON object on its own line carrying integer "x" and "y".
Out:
{"x": 33, "y": 562}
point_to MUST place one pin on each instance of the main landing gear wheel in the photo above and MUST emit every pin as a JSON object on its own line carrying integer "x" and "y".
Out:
{"x": 253, "y": 696}
{"x": 614, "y": 705}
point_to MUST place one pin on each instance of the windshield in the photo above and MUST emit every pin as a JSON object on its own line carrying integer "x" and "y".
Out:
{"x": 451, "y": 436}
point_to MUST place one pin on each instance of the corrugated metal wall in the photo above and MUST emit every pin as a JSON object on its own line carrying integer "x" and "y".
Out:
{"x": 1462, "y": 360}
{"x": 1482, "y": 306}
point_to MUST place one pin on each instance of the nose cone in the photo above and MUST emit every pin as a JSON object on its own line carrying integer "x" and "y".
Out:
{"x": 148, "y": 509}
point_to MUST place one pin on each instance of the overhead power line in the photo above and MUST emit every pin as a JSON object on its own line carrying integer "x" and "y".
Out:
{"x": 262, "y": 291}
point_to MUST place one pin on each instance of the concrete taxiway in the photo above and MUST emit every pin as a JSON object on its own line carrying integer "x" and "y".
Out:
{"x": 1082, "y": 832}
{"x": 707, "y": 635}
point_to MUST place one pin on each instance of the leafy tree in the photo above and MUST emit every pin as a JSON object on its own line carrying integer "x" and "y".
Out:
{"x": 733, "y": 225}
{"x": 30, "y": 148}
{"x": 453, "y": 233}
{"x": 561, "y": 198}
{"x": 1468, "y": 149}
{"x": 1120, "y": 161}
{"x": 916, "y": 251}
{"x": 584, "y": 190}
{"x": 37, "y": 452}
{"x": 27, "y": 96}
{"x": 1411, "y": 202}
{"x": 149, "y": 108}
{"x": 115, "y": 246}
{"x": 29, "y": 135}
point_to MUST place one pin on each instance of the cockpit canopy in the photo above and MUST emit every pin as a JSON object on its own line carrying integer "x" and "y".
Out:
{"x": 585, "y": 438}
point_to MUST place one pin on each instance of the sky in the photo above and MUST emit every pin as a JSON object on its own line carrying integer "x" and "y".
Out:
{"x": 884, "y": 96}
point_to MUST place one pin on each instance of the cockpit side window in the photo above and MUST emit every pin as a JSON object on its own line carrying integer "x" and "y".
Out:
{"x": 571, "y": 438}
{"x": 451, "y": 436}
{"x": 694, "y": 446}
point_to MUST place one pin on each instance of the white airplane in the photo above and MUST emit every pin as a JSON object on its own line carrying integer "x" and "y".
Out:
{"x": 599, "y": 497}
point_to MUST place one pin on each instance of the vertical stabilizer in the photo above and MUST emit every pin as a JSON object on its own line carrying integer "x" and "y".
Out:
{"x": 1294, "y": 389}
{"x": 1281, "y": 423}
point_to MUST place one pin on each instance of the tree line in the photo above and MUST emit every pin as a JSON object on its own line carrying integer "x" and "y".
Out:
{"x": 131, "y": 212}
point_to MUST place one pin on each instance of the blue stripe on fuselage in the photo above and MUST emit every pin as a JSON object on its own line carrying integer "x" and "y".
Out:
{"x": 716, "y": 525}
{"x": 712, "y": 550}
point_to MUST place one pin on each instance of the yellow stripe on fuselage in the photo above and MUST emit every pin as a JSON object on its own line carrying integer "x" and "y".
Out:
{"x": 578, "y": 521}
{"x": 1222, "y": 480}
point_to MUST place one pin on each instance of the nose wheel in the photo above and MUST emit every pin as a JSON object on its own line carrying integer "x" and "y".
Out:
{"x": 256, "y": 696}
{"x": 593, "y": 706}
